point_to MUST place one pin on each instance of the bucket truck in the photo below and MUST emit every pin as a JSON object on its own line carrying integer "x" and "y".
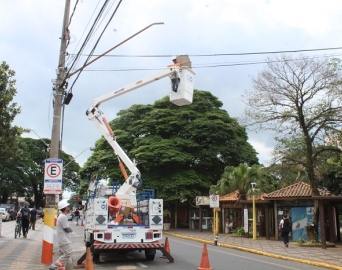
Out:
{"x": 120, "y": 217}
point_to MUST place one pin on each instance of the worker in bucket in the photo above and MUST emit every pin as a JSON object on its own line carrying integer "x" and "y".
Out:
{"x": 174, "y": 75}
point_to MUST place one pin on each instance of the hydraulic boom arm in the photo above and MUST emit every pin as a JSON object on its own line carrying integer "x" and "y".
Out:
{"x": 96, "y": 115}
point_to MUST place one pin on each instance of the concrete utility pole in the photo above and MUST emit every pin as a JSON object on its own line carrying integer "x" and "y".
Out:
{"x": 49, "y": 212}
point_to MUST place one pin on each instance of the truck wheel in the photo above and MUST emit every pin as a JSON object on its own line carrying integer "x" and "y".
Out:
{"x": 150, "y": 254}
{"x": 96, "y": 258}
{"x": 149, "y": 257}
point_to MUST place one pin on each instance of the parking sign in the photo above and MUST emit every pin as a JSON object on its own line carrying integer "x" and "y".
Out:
{"x": 53, "y": 176}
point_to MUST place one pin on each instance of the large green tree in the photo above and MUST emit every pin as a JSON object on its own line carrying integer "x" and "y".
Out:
{"x": 8, "y": 111}
{"x": 8, "y": 133}
{"x": 24, "y": 173}
{"x": 298, "y": 98}
{"x": 181, "y": 151}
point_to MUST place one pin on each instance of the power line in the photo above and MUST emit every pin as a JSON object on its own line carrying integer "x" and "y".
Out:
{"x": 71, "y": 19}
{"x": 72, "y": 13}
{"x": 97, "y": 42}
{"x": 77, "y": 55}
{"x": 224, "y": 54}
{"x": 90, "y": 33}
{"x": 242, "y": 63}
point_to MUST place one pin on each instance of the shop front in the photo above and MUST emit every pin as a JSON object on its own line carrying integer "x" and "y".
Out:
{"x": 201, "y": 217}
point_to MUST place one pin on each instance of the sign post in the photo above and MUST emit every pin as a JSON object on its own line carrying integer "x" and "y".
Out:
{"x": 215, "y": 203}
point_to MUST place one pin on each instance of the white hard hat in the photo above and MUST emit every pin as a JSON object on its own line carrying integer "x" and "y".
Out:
{"x": 62, "y": 204}
{"x": 174, "y": 57}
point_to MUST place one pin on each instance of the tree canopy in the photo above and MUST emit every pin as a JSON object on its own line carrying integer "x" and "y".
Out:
{"x": 24, "y": 173}
{"x": 8, "y": 111}
{"x": 240, "y": 178}
{"x": 299, "y": 99}
{"x": 181, "y": 151}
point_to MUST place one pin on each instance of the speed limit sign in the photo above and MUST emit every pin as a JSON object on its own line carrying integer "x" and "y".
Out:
{"x": 214, "y": 201}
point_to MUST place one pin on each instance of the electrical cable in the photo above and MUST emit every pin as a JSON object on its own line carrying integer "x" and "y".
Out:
{"x": 226, "y": 54}
{"x": 97, "y": 42}
{"x": 242, "y": 63}
{"x": 92, "y": 31}
{"x": 76, "y": 55}
{"x": 86, "y": 39}
{"x": 70, "y": 21}
{"x": 72, "y": 13}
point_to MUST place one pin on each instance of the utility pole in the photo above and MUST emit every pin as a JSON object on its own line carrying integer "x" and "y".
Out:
{"x": 49, "y": 212}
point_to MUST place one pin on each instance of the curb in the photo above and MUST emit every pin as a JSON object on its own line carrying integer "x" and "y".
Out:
{"x": 329, "y": 266}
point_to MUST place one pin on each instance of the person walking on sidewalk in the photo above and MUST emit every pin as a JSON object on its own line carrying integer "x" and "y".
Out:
{"x": 285, "y": 228}
{"x": 33, "y": 217}
{"x": 63, "y": 240}
{"x": 25, "y": 219}
{"x": 77, "y": 216}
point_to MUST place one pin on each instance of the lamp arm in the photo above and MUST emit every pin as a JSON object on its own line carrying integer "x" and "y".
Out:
{"x": 76, "y": 157}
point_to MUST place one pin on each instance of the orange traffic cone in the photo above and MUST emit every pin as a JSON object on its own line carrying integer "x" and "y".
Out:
{"x": 89, "y": 265}
{"x": 82, "y": 222}
{"x": 205, "y": 265}
{"x": 167, "y": 248}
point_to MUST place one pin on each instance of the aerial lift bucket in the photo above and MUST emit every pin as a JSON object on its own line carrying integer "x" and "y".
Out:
{"x": 185, "y": 91}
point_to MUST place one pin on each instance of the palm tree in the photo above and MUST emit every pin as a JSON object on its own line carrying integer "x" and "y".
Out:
{"x": 240, "y": 178}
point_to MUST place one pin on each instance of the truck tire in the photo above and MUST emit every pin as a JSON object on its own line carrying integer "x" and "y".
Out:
{"x": 150, "y": 254}
{"x": 149, "y": 257}
{"x": 88, "y": 244}
{"x": 96, "y": 258}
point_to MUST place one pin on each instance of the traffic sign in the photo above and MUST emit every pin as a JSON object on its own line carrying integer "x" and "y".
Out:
{"x": 53, "y": 176}
{"x": 214, "y": 201}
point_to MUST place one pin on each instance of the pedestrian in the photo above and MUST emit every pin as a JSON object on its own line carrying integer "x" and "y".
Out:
{"x": 77, "y": 216}
{"x": 285, "y": 227}
{"x": 174, "y": 76}
{"x": 33, "y": 217}
{"x": 63, "y": 240}
{"x": 25, "y": 219}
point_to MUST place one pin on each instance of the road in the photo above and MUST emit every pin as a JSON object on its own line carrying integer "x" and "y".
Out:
{"x": 19, "y": 253}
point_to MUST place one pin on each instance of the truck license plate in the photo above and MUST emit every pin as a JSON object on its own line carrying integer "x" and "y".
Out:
{"x": 128, "y": 236}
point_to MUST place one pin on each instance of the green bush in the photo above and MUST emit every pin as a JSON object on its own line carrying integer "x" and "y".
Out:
{"x": 300, "y": 241}
{"x": 240, "y": 231}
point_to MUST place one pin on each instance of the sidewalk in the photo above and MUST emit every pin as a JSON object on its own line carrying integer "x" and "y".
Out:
{"x": 330, "y": 258}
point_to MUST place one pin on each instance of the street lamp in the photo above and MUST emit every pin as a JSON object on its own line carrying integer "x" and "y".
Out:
{"x": 254, "y": 212}
{"x": 28, "y": 130}
{"x": 74, "y": 158}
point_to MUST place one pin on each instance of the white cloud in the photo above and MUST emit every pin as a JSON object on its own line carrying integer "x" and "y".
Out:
{"x": 264, "y": 152}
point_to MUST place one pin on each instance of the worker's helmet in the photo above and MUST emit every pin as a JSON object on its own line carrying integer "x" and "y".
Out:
{"x": 62, "y": 204}
{"x": 174, "y": 57}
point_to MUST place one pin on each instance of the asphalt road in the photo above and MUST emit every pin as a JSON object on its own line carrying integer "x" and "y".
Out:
{"x": 187, "y": 254}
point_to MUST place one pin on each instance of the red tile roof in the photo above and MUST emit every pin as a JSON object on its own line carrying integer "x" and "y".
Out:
{"x": 231, "y": 197}
{"x": 296, "y": 190}
{"x": 234, "y": 196}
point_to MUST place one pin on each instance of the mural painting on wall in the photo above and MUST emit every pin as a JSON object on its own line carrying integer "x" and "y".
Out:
{"x": 301, "y": 218}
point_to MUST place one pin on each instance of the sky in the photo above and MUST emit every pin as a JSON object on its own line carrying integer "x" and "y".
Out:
{"x": 202, "y": 29}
